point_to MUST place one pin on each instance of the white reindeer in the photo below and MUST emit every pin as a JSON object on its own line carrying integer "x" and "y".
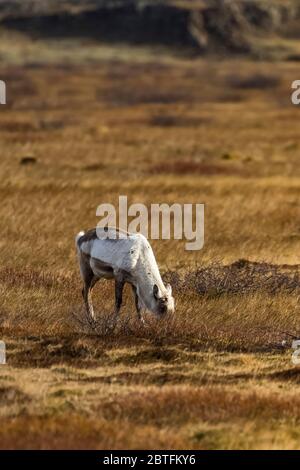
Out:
{"x": 103, "y": 253}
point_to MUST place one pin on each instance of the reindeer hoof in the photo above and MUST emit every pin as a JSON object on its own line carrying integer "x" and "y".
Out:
{"x": 143, "y": 322}
{"x": 111, "y": 325}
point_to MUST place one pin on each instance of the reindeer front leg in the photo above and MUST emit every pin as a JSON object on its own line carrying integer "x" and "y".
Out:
{"x": 137, "y": 305}
{"x": 119, "y": 285}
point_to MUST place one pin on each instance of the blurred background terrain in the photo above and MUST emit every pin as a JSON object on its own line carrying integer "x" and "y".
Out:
{"x": 162, "y": 101}
{"x": 258, "y": 28}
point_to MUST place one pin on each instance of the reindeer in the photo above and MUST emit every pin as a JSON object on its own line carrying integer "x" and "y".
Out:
{"x": 127, "y": 258}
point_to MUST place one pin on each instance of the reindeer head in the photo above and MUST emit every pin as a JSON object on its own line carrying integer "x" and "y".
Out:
{"x": 164, "y": 301}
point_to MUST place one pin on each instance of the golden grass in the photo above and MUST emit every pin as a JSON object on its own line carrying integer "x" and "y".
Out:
{"x": 214, "y": 376}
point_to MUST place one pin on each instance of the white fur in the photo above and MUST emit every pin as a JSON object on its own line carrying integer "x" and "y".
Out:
{"x": 134, "y": 255}
{"x": 79, "y": 235}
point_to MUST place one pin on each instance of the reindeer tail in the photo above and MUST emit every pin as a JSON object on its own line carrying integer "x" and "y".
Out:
{"x": 77, "y": 238}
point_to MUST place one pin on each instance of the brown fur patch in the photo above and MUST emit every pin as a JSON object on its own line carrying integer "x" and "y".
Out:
{"x": 101, "y": 266}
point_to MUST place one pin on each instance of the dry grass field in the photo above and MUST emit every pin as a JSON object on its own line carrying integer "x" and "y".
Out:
{"x": 215, "y": 376}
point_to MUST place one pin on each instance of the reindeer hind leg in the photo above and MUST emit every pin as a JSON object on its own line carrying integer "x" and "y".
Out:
{"x": 88, "y": 283}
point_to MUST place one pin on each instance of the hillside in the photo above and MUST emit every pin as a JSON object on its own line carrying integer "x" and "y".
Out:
{"x": 260, "y": 28}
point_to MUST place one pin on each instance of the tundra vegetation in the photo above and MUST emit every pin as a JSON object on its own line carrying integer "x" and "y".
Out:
{"x": 80, "y": 129}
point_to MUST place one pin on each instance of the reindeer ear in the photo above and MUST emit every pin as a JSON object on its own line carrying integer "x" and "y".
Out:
{"x": 169, "y": 289}
{"x": 155, "y": 291}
